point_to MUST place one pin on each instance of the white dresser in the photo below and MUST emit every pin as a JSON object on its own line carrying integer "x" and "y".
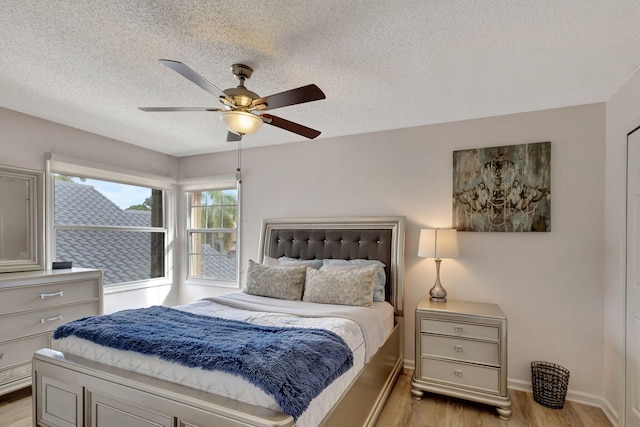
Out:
{"x": 32, "y": 305}
{"x": 461, "y": 351}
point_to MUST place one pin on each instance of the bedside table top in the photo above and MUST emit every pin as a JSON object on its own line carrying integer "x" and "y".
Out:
{"x": 462, "y": 307}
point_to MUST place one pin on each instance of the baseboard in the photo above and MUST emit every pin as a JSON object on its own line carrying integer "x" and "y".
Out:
{"x": 409, "y": 365}
{"x": 573, "y": 396}
{"x": 611, "y": 413}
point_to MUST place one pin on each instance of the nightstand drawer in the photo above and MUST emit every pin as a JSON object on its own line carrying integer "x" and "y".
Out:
{"x": 460, "y": 349}
{"x": 460, "y": 329}
{"x": 479, "y": 377}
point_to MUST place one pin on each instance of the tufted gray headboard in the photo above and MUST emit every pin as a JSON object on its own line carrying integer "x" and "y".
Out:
{"x": 379, "y": 238}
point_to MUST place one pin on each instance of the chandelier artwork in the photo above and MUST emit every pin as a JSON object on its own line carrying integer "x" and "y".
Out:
{"x": 504, "y": 188}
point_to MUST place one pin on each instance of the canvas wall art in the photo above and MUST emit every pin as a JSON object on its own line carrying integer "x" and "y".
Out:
{"x": 503, "y": 188}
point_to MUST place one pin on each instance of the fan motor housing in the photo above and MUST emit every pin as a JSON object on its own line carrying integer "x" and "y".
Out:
{"x": 241, "y": 95}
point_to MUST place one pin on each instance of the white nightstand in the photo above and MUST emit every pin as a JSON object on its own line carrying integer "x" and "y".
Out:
{"x": 461, "y": 351}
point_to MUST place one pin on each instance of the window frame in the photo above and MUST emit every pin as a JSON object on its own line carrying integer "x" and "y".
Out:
{"x": 188, "y": 186}
{"x": 57, "y": 164}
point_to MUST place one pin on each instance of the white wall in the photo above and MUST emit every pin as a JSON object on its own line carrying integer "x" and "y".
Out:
{"x": 25, "y": 139}
{"x": 623, "y": 116}
{"x": 548, "y": 284}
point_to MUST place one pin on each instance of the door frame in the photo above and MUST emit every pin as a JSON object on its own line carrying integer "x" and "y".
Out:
{"x": 626, "y": 287}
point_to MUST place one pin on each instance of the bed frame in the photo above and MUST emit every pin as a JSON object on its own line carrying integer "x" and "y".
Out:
{"x": 70, "y": 391}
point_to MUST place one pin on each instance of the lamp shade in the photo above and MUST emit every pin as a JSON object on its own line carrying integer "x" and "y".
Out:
{"x": 438, "y": 243}
{"x": 241, "y": 122}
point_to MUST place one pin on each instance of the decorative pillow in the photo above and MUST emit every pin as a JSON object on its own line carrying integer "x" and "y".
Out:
{"x": 381, "y": 277}
{"x": 344, "y": 287}
{"x": 275, "y": 281}
{"x": 292, "y": 262}
{"x": 352, "y": 267}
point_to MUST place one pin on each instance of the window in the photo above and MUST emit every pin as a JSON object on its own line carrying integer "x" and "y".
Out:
{"x": 212, "y": 234}
{"x": 118, "y": 228}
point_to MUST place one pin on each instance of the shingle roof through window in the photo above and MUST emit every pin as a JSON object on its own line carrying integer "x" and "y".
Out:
{"x": 124, "y": 256}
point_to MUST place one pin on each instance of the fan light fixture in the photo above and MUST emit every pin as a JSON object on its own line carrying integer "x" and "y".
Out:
{"x": 241, "y": 122}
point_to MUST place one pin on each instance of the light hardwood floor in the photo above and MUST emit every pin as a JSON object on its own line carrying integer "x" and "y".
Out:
{"x": 403, "y": 411}
{"x": 441, "y": 411}
{"x": 15, "y": 409}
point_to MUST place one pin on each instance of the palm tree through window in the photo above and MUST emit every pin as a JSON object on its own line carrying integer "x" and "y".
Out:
{"x": 212, "y": 234}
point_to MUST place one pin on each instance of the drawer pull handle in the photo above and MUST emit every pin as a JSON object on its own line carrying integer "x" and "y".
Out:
{"x": 51, "y": 319}
{"x": 459, "y": 329}
{"x": 458, "y": 348}
{"x": 1, "y": 356}
{"x": 54, "y": 294}
{"x": 458, "y": 372}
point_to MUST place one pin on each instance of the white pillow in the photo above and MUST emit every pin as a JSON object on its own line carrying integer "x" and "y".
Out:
{"x": 292, "y": 262}
{"x": 381, "y": 277}
{"x": 344, "y": 287}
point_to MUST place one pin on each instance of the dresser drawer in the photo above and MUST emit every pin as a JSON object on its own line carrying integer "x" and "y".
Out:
{"x": 35, "y": 322}
{"x": 21, "y": 350}
{"x": 479, "y": 377}
{"x": 460, "y": 349}
{"x": 22, "y": 298}
{"x": 460, "y": 329}
{"x": 15, "y": 373}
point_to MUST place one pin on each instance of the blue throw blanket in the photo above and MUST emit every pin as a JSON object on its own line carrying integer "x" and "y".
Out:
{"x": 292, "y": 364}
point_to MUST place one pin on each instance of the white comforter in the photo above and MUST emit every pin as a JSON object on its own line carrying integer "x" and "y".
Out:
{"x": 348, "y": 322}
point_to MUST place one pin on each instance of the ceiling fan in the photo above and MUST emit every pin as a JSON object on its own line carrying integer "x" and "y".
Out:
{"x": 241, "y": 111}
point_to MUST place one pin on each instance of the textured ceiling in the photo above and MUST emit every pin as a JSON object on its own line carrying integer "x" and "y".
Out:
{"x": 382, "y": 64}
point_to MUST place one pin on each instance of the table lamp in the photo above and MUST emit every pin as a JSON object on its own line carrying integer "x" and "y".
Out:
{"x": 438, "y": 243}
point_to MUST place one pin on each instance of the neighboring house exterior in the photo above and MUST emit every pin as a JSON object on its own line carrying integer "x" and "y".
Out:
{"x": 124, "y": 256}
{"x": 215, "y": 264}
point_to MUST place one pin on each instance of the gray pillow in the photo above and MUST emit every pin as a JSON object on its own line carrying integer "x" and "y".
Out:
{"x": 344, "y": 287}
{"x": 275, "y": 281}
{"x": 381, "y": 277}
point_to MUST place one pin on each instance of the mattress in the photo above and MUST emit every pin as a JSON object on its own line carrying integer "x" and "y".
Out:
{"x": 362, "y": 337}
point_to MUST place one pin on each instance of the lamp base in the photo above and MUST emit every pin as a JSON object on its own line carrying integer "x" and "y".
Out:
{"x": 437, "y": 293}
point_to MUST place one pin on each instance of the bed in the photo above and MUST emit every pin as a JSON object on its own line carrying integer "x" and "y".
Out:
{"x": 79, "y": 388}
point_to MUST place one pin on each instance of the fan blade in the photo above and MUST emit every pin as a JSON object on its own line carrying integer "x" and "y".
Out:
{"x": 233, "y": 137}
{"x": 291, "y": 97}
{"x": 196, "y": 78}
{"x": 156, "y": 109}
{"x": 291, "y": 126}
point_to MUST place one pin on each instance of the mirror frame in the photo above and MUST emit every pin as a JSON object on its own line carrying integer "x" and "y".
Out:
{"x": 36, "y": 259}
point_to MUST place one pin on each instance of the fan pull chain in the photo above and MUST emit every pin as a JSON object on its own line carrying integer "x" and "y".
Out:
{"x": 238, "y": 170}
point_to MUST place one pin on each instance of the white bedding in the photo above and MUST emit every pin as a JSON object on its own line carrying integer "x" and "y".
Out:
{"x": 378, "y": 321}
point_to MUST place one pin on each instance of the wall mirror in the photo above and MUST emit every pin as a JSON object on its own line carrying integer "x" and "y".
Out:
{"x": 21, "y": 219}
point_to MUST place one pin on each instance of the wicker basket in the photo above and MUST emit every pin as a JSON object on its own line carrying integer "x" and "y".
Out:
{"x": 549, "y": 382}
